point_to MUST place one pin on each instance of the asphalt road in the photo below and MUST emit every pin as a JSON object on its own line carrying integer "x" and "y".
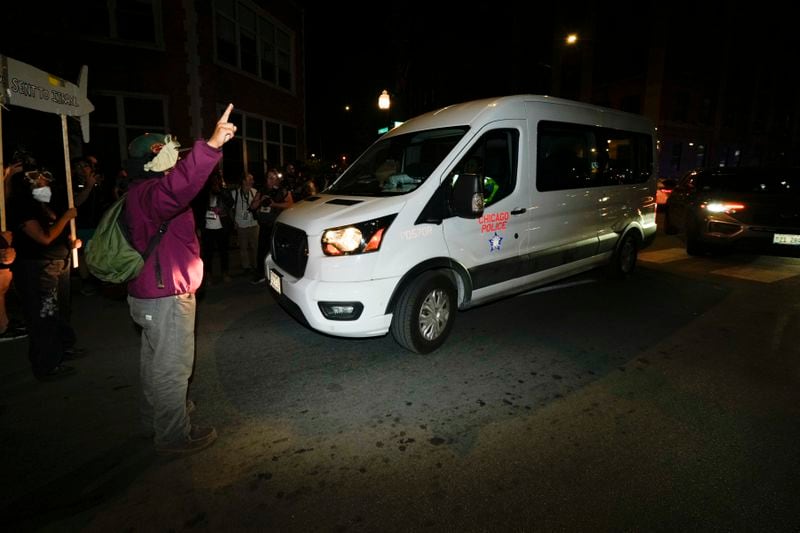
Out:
{"x": 666, "y": 402}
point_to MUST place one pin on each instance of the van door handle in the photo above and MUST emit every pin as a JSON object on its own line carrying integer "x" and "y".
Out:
{"x": 518, "y": 211}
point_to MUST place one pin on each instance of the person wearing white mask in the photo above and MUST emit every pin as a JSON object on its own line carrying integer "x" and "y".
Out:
{"x": 162, "y": 297}
{"x": 42, "y": 272}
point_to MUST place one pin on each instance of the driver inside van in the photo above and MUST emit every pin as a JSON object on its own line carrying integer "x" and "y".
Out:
{"x": 390, "y": 178}
{"x": 384, "y": 171}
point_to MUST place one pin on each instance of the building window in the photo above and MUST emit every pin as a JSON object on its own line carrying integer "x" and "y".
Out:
{"x": 281, "y": 144}
{"x": 248, "y": 39}
{"x": 706, "y": 111}
{"x": 120, "y": 118}
{"x": 265, "y": 144}
{"x": 680, "y": 106}
{"x": 700, "y": 156}
{"x": 288, "y": 143}
{"x": 135, "y": 22}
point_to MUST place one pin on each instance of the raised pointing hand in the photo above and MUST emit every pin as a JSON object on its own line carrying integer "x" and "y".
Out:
{"x": 224, "y": 131}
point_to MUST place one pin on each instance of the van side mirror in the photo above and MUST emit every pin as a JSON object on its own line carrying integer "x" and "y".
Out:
{"x": 468, "y": 196}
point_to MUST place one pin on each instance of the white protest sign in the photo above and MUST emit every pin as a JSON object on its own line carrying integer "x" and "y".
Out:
{"x": 27, "y": 86}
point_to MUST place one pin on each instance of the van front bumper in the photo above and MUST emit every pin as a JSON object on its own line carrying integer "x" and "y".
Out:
{"x": 301, "y": 298}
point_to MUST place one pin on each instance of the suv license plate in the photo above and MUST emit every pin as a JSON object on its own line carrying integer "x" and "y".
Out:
{"x": 275, "y": 281}
{"x": 786, "y": 238}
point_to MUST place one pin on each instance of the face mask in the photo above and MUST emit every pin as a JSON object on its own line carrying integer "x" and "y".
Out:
{"x": 166, "y": 158}
{"x": 42, "y": 194}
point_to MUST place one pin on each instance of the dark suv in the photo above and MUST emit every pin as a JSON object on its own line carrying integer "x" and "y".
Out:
{"x": 751, "y": 209}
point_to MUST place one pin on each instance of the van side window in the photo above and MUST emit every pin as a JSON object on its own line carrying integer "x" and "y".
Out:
{"x": 494, "y": 158}
{"x": 575, "y": 156}
{"x": 627, "y": 157}
{"x": 566, "y": 157}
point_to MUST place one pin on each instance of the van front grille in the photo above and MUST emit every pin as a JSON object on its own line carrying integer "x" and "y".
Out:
{"x": 290, "y": 249}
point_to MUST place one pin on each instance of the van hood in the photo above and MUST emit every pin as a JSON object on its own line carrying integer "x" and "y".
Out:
{"x": 324, "y": 211}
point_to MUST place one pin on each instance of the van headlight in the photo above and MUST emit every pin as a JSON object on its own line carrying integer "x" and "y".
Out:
{"x": 360, "y": 238}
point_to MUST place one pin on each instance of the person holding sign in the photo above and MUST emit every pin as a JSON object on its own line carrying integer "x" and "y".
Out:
{"x": 42, "y": 272}
{"x": 162, "y": 297}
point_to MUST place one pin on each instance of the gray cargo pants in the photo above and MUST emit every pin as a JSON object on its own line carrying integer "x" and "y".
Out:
{"x": 166, "y": 361}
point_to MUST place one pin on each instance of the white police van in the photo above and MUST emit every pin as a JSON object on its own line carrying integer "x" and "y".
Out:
{"x": 463, "y": 205}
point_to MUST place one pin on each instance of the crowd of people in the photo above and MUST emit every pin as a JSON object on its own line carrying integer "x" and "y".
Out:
{"x": 245, "y": 214}
{"x": 202, "y": 216}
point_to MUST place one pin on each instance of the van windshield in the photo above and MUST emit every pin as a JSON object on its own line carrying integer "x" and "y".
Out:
{"x": 397, "y": 165}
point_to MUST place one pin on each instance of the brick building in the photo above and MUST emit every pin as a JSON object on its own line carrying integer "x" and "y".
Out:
{"x": 166, "y": 66}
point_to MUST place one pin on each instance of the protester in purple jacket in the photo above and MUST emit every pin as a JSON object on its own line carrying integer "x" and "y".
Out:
{"x": 162, "y": 297}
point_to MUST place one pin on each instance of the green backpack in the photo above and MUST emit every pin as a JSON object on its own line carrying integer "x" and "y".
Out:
{"x": 109, "y": 254}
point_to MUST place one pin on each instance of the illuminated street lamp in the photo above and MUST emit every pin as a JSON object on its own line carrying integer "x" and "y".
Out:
{"x": 571, "y": 39}
{"x": 384, "y": 102}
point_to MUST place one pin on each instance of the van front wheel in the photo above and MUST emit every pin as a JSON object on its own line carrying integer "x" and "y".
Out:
{"x": 425, "y": 313}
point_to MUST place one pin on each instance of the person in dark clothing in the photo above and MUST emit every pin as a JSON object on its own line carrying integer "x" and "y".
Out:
{"x": 268, "y": 204}
{"x": 87, "y": 198}
{"x": 42, "y": 272}
{"x": 212, "y": 209}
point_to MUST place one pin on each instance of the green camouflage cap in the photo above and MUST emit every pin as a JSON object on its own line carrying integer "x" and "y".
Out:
{"x": 147, "y": 145}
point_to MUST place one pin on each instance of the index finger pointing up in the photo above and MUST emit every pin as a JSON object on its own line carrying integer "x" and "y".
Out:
{"x": 226, "y": 114}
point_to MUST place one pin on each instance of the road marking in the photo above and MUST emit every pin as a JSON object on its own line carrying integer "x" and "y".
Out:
{"x": 754, "y": 273}
{"x": 767, "y": 270}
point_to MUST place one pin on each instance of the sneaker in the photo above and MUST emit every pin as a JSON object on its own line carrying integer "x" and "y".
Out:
{"x": 199, "y": 438}
{"x": 191, "y": 407}
{"x": 58, "y": 372}
{"x": 74, "y": 353}
{"x": 11, "y": 333}
{"x": 258, "y": 281}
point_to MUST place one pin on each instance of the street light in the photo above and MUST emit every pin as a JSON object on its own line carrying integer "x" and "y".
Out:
{"x": 384, "y": 101}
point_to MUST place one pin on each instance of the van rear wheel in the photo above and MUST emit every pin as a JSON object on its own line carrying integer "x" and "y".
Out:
{"x": 623, "y": 262}
{"x": 425, "y": 313}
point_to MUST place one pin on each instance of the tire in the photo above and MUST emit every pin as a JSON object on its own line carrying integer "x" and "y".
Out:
{"x": 623, "y": 261}
{"x": 425, "y": 313}
{"x": 694, "y": 246}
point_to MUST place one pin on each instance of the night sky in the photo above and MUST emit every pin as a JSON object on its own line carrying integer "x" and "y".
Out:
{"x": 431, "y": 54}
{"x": 426, "y": 55}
